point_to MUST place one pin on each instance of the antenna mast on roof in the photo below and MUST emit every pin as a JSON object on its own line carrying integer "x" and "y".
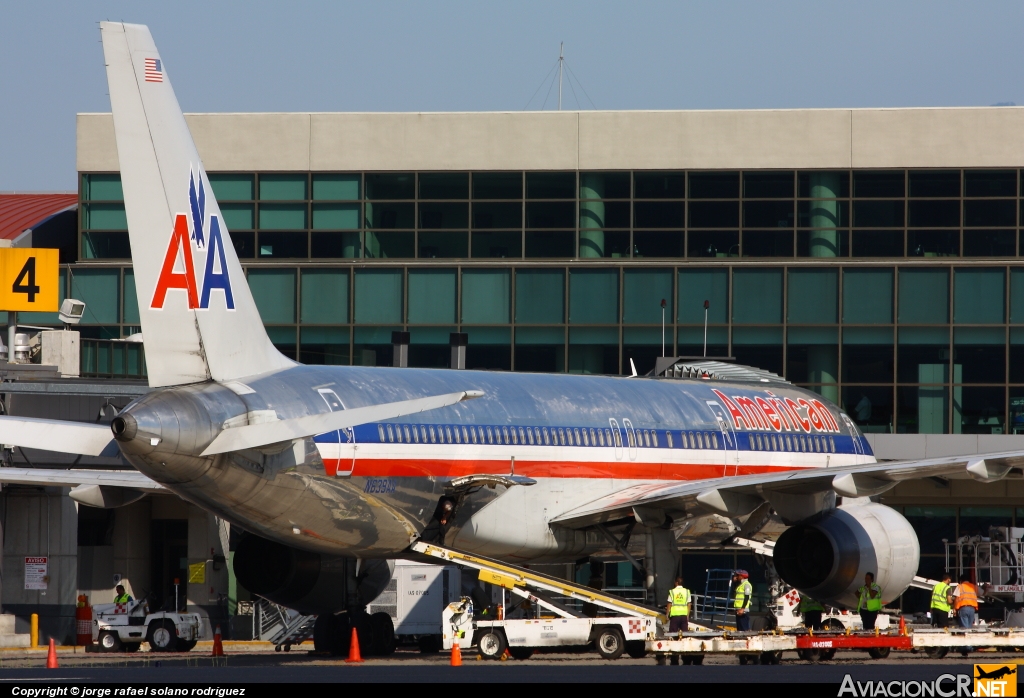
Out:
{"x": 561, "y": 61}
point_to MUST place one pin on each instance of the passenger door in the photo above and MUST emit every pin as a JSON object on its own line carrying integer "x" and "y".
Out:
{"x": 342, "y": 443}
{"x": 730, "y": 447}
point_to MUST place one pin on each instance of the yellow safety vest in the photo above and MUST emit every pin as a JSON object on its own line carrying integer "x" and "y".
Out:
{"x": 680, "y": 599}
{"x": 743, "y": 593}
{"x": 123, "y": 598}
{"x": 939, "y": 602}
{"x": 870, "y": 604}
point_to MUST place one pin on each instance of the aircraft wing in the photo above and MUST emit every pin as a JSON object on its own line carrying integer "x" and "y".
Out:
{"x": 131, "y": 479}
{"x": 737, "y": 496}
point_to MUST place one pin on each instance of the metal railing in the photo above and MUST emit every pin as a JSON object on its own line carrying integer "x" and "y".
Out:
{"x": 110, "y": 358}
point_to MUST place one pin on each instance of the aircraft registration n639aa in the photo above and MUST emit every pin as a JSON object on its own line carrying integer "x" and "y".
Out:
{"x": 323, "y": 465}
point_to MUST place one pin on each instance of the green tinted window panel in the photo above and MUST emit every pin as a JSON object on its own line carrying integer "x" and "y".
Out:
{"x": 102, "y": 187}
{"x": 645, "y": 335}
{"x": 699, "y": 285}
{"x": 1017, "y": 296}
{"x": 282, "y": 187}
{"x": 131, "y": 299}
{"x": 540, "y": 335}
{"x": 695, "y": 335}
{"x": 867, "y": 296}
{"x": 274, "y": 293}
{"x": 757, "y": 335}
{"x": 540, "y": 296}
{"x": 104, "y": 217}
{"x": 100, "y": 290}
{"x": 485, "y": 295}
{"x": 325, "y": 335}
{"x": 489, "y": 335}
{"x": 335, "y": 216}
{"x": 378, "y": 296}
{"x": 979, "y": 335}
{"x": 232, "y": 187}
{"x": 594, "y": 296}
{"x": 238, "y": 216}
{"x": 53, "y": 318}
{"x": 324, "y": 296}
{"x": 594, "y": 335}
{"x": 432, "y": 296}
{"x": 979, "y": 296}
{"x": 757, "y": 295}
{"x": 335, "y": 187}
{"x": 283, "y": 216}
{"x": 642, "y": 293}
{"x": 813, "y": 296}
{"x": 924, "y": 296}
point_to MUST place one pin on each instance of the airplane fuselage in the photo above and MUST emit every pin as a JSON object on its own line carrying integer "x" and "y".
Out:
{"x": 371, "y": 490}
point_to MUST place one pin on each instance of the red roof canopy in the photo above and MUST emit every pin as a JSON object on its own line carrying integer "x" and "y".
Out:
{"x": 19, "y": 212}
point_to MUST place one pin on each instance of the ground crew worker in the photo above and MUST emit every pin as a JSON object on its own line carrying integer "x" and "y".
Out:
{"x": 121, "y": 596}
{"x": 742, "y": 592}
{"x": 869, "y": 601}
{"x": 678, "y": 607}
{"x": 811, "y": 611}
{"x": 965, "y": 601}
{"x": 941, "y": 594}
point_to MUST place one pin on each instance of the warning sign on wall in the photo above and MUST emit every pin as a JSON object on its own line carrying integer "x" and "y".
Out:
{"x": 36, "y": 576}
{"x": 197, "y": 573}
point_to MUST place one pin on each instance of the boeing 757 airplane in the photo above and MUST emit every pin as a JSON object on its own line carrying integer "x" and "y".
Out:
{"x": 325, "y": 465}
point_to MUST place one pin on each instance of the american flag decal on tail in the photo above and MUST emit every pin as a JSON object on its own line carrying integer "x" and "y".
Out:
{"x": 154, "y": 70}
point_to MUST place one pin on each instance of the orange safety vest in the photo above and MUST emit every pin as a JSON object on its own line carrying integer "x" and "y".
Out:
{"x": 968, "y": 596}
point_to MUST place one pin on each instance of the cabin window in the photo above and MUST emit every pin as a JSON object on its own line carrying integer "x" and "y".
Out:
{"x": 398, "y": 433}
{"x": 714, "y": 440}
{"x": 586, "y": 438}
{"x": 618, "y": 437}
{"x": 668, "y": 438}
{"x": 529, "y": 435}
{"x": 391, "y": 433}
{"x": 490, "y": 435}
{"x": 415, "y": 435}
{"x": 448, "y": 434}
{"x": 433, "y": 436}
{"x": 832, "y": 444}
{"x": 408, "y": 438}
{"x": 817, "y": 444}
{"x": 579, "y": 440}
{"x": 631, "y": 435}
{"x": 380, "y": 432}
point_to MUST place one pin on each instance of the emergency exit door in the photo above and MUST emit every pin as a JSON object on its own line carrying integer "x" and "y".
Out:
{"x": 340, "y": 444}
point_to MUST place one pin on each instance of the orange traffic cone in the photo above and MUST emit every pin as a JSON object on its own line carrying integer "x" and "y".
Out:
{"x": 456, "y": 653}
{"x": 354, "y": 655}
{"x": 51, "y": 656}
{"x": 903, "y": 626}
{"x": 218, "y": 645}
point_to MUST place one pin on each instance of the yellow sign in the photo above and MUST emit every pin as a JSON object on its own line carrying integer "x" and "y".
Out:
{"x": 197, "y": 573}
{"x": 29, "y": 279}
{"x": 995, "y": 680}
{"x": 499, "y": 579}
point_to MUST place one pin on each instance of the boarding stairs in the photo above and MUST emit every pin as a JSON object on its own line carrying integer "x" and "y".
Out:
{"x": 281, "y": 626}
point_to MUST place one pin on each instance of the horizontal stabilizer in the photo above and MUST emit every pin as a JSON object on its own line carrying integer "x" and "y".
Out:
{"x": 266, "y": 433}
{"x": 81, "y": 438}
{"x": 52, "y": 477}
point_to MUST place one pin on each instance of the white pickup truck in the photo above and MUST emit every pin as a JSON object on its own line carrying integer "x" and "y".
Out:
{"x": 124, "y": 626}
{"x": 611, "y": 635}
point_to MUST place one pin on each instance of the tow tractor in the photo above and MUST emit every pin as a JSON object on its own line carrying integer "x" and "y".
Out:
{"x": 543, "y": 621}
{"x": 118, "y": 626}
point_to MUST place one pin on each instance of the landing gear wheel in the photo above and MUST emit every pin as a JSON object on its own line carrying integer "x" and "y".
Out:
{"x": 110, "y": 642}
{"x": 492, "y": 644}
{"x": 878, "y": 652}
{"x": 520, "y": 652}
{"x": 287, "y": 648}
{"x": 772, "y": 658}
{"x": 184, "y": 645}
{"x": 936, "y": 652}
{"x": 162, "y": 636}
{"x": 610, "y": 643}
{"x": 382, "y": 630}
{"x": 637, "y": 649}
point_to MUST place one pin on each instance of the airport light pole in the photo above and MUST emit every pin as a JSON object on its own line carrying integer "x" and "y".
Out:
{"x": 705, "y": 329}
{"x": 663, "y": 328}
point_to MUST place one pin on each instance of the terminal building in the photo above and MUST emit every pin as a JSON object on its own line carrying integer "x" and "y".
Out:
{"x": 873, "y": 255}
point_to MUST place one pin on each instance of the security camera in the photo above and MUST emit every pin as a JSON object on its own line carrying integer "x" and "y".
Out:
{"x": 71, "y": 311}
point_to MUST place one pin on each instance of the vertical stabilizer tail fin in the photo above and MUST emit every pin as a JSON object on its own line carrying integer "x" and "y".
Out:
{"x": 199, "y": 320}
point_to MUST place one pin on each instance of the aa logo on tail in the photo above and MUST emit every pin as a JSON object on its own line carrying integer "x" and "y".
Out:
{"x": 203, "y": 240}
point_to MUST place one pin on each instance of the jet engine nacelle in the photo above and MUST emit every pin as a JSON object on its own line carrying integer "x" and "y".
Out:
{"x": 308, "y": 582}
{"x": 827, "y": 558}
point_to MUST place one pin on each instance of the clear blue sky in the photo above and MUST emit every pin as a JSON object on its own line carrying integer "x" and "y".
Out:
{"x": 485, "y": 56}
